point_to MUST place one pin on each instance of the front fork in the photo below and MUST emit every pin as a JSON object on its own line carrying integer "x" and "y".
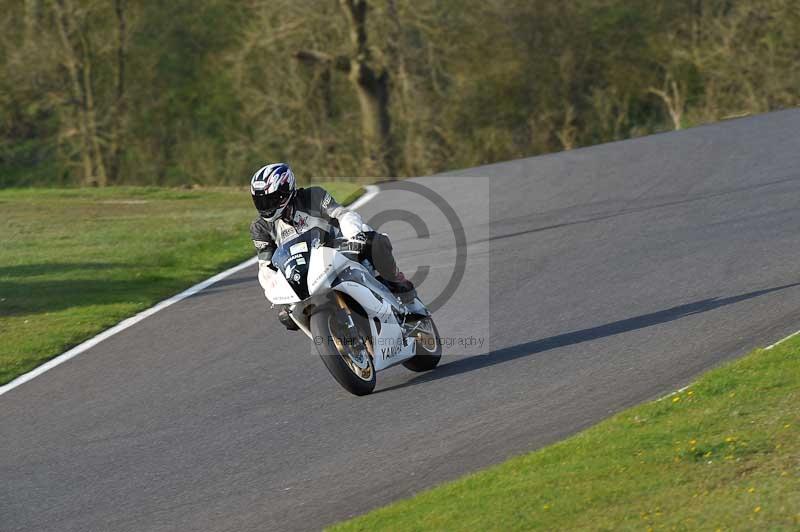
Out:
{"x": 351, "y": 325}
{"x": 343, "y": 305}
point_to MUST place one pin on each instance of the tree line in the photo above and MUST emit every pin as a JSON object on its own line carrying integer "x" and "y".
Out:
{"x": 104, "y": 92}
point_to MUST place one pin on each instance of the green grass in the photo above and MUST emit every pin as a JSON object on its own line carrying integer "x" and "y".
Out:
{"x": 76, "y": 261}
{"x": 722, "y": 455}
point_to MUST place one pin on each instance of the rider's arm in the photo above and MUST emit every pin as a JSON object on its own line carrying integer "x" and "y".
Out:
{"x": 350, "y": 222}
{"x": 265, "y": 247}
{"x": 263, "y": 242}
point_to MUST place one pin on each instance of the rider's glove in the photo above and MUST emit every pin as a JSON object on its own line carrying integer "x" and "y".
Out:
{"x": 357, "y": 243}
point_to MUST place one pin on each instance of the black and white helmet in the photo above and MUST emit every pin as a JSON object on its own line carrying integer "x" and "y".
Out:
{"x": 272, "y": 188}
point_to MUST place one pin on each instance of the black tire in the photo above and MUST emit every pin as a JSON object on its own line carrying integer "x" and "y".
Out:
{"x": 334, "y": 360}
{"x": 426, "y": 358}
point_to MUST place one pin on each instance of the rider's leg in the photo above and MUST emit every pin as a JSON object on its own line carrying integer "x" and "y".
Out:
{"x": 379, "y": 253}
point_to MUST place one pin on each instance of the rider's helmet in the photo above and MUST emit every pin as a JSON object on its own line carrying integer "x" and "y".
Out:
{"x": 272, "y": 188}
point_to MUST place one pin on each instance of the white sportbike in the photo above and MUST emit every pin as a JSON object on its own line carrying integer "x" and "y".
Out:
{"x": 358, "y": 326}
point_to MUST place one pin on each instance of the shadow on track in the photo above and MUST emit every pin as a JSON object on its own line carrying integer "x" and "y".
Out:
{"x": 514, "y": 352}
{"x": 597, "y": 217}
{"x": 623, "y": 212}
{"x": 224, "y": 284}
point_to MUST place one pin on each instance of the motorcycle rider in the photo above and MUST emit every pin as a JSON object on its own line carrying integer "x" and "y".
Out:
{"x": 285, "y": 211}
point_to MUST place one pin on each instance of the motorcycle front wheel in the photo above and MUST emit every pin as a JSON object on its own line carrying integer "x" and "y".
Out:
{"x": 344, "y": 352}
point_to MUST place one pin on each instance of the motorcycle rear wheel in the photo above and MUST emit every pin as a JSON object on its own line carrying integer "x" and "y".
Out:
{"x": 429, "y": 348}
{"x": 347, "y": 359}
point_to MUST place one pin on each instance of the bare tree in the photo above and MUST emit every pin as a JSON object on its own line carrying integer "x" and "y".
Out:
{"x": 98, "y": 110}
{"x": 567, "y": 133}
{"x": 369, "y": 77}
{"x": 673, "y": 95}
{"x": 77, "y": 59}
{"x": 31, "y": 14}
{"x": 119, "y": 106}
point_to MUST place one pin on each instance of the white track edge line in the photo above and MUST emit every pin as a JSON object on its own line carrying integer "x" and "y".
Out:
{"x": 121, "y": 326}
{"x": 776, "y": 344}
{"x": 371, "y": 192}
{"x": 779, "y": 342}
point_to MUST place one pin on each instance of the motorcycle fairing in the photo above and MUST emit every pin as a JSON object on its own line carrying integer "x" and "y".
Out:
{"x": 328, "y": 269}
{"x": 277, "y": 288}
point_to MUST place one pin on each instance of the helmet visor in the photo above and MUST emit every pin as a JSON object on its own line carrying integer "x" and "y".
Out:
{"x": 267, "y": 204}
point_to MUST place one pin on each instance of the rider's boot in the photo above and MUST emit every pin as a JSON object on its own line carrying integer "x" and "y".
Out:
{"x": 402, "y": 287}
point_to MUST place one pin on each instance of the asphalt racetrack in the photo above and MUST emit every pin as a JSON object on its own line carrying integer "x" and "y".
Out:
{"x": 595, "y": 279}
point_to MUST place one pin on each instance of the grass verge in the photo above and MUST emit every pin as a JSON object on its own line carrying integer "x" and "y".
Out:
{"x": 721, "y": 455}
{"x": 74, "y": 262}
